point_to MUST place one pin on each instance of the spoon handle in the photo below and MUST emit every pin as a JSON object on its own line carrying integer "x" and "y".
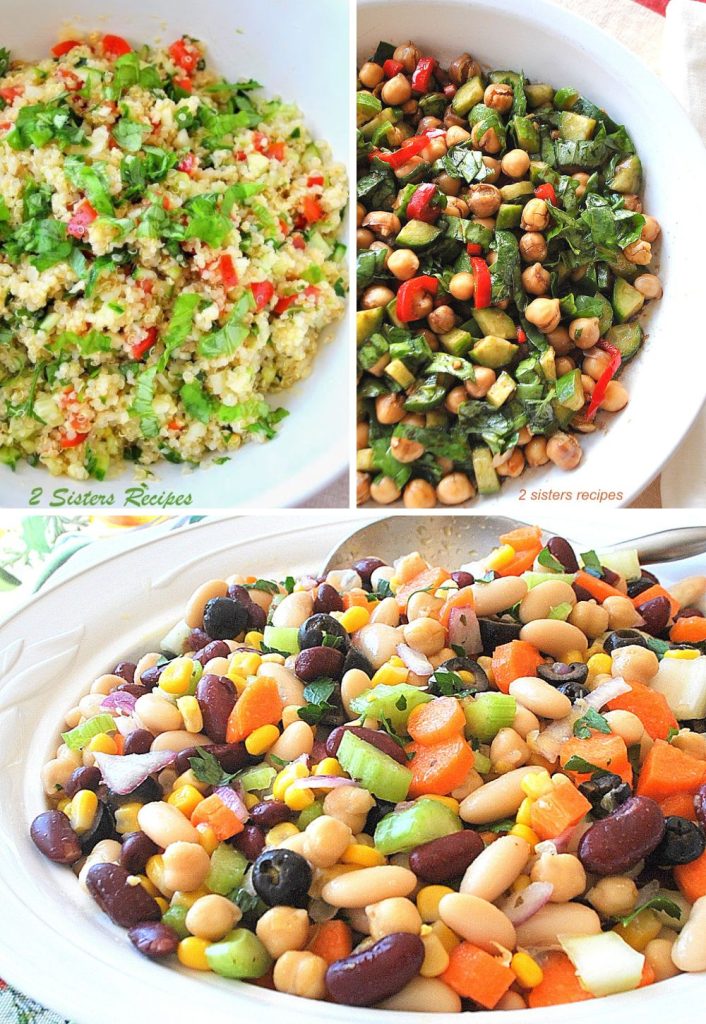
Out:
{"x": 668, "y": 545}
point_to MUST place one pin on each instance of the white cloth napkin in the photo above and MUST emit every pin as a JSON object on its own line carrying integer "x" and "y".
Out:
{"x": 684, "y": 70}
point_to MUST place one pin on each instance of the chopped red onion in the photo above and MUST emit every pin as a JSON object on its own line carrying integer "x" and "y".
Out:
{"x": 464, "y": 630}
{"x": 322, "y": 782}
{"x": 607, "y": 691}
{"x": 124, "y": 772}
{"x": 415, "y": 661}
{"x": 520, "y": 906}
{"x": 119, "y": 700}
{"x": 126, "y": 724}
{"x": 232, "y": 799}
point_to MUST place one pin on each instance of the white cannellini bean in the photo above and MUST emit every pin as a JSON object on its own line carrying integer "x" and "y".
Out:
{"x": 498, "y": 595}
{"x": 477, "y": 921}
{"x": 540, "y": 697}
{"x": 377, "y": 642}
{"x": 497, "y": 799}
{"x": 496, "y": 868}
{"x": 689, "y": 950}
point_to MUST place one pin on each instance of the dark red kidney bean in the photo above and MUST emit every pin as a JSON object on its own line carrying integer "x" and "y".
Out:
{"x": 377, "y": 973}
{"x": 53, "y": 836}
{"x": 447, "y": 857}
{"x": 216, "y": 649}
{"x": 327, "y": 600}
{"x": 564, "y": 553}
{"x": 688, "y": 613}
{"x": 197, "y": 640}
{"x": 139, "y": 741}
{"x": 126, "y": 671}
{"x": 619, "y": 842}
{"x": 365, "y": 567}
{"x": 700, "y": 805}
{"x": 136, "y": 850}
{"x": 154, "y": 939}
{"x": 319, "y": 663}
{"x": 125, "y": 904}
{"x": 581, "y": 593}
{"x": 216, "y": 697}
{"x": 150, "y": 677}
{"x": 269, "y": 813}
{"x": 380, "y": 740}
{"x": 250, "y": 842}
{"x": 135, "y": 689}
{"x": 257, "y": 617}
{"x": 463, "y": 579}
{"x": 656, "y": 614}
{"x": 318, "y": 751}
{"x": 231, "y": 756}
{"x": 102, "y": 827}
{"x": 82, "y": 778}
{"x": 610, "y": 577}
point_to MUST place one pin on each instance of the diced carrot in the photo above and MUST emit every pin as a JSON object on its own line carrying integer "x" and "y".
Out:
{"x": 667, "y": 770}
{"x": 561, "y": 808}
{"x": 691, "y": 878}
{"x": 477, "y": 975}
{"x": 355, "y": 598}
{"x": 679, "y": 804}
{"x": 331, "y": 940}
{"x": 259, "y": 704}
{"x": 650, "y": 707}
{"x": 523, "y": 538}
{"x": 212, "y": 811}
{"x": 522, "y": 562}
{"x": 691, "y": 630}
{"x": 559, "y": 984}
{"x": 656, "y": 591}
{"x": 463, "y": 598}
{"x": 428, "y": 579}
{"x": 119, "y": 741}
{"x": 436, "y": 721}
{"x": 596, "y": 588}
{"x": 439, "y": 768}
{"x": 648, "y": 975}
{"x": 604, "y": 751}
{"x": 513, "y": 660}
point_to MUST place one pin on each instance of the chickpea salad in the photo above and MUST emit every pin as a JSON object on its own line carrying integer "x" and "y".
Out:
{"x": 169, "y": 256}
{"x": 405, "y": 786}
{"x": 503, "y": 261}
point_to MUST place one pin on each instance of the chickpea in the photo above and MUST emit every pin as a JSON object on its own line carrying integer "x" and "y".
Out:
{"x": 658, "y": 954}
{"x": 462, "y": 286}
{"x": 408, "y": 55}
{"x": 415, "y": 419}
{"x": 533, "y": 247}
{"x": 616, "y": 397}
{"x": 419, "y": 494}
{"x": 371, "y": 75}
{"x": 389, "y": 408}
{"x": 463, "y": 68}
{"x": 595, "y": 362}
{"x": 362, "y": 435}
{"x": 536, "y": 280}
{"x": 396, "y": 914}
{"x": 590, "y": 617}
{"x": 211, "y": 917}
{"x": 448, "y": 185}
{"x": 582, "y": 179}
{"x": 360, "y": 213}
{"x": 428, "y": 124}
{"x": 376, "y": 296}
{"x": 451, "y": 118}
{"x": 364, "y": 238}
{"x": 632, "y": 202}
{"x": 487, "y": 140}
{"x": 585, "y": 331}
{"x": 426, "y": 635}
{"x": 301, "y": 973}
{"x": 638, "y": 252}
{"x": 423, "y": 605}
{"x": 535, "y": 452}
{"x": 535, "y": 216}
{"x": 484, "y": 200}
{"x": 563, "y": 365}
{"x": 588, "y": 384}
{"x": 626, "y": 725}
{"x": 186, "y": 866}
{"x": 384, "y": 225}
{"x": 650, "y": 230}
{"x": 562, "y": 870}
{"x": 281, "y": 929}
{"x": 494, "y": 167}
{"x": 648, "y": 285}
{"x": 455, "y": 489}
{"x": 456, "y": 134}
{"x": 634, "y": 664}
{"x": 499, "y": 97}
{"x": 362, "y": 488}
{"x": 513, "y": 466}
{"x": 544, "y": 314}
{"x": 326, "y": 839}
{"x": 434, "y": 150}
{"x": 622, "y": 613}
{"x": 396, "y": 91}
{"x": 515, "y": 163}
{"x": 613, "y": 896}
{"x": 422, "y": 305}
{"x": 564, "y": 451}
{"x": 485, "y": 378}
{"x": 350, "y": 804}
{"x": 384, "y": 491}
{"x": 455, "y": 399}
{"x": 456, "y": 207}
{"x": 403, "y": 264}
{"x": 405, "y": 450}
{"x": 441, "y": 319}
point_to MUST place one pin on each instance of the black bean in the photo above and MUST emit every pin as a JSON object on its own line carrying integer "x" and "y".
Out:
{"x": 139, "y": 741}
{"x": 376, "y": 973}
{"x": 150, "y": 676}
{"x": 214, "y": 649}
{"x": 365, "y": 567}
{"x": 269, "y": 813}
{"x": 564, "y": 553}
{"x": 154, "y": 939}
{"x": 318, "y": 663}
{"x": 126, "y": 670}
{"x": 216, "y": 697}
{"x": 683, "y": 841}
{"x": 447, "y": 857}
{"x": 656, "y": 614}
{"x": 136, "y": 851}
{"x": 327, "y": 600}
{"x": 225, "y": 618}
{"x": 125, "y": 904}
{"x": 53, "y": 836}
{"x": 377, "y": 739}
{"x": 82, "y": 778}
{"x": 102, "y": 827}
{"x": 312, "y": 632}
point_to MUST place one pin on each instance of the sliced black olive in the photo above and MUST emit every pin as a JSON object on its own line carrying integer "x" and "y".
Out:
{"x": 558, "y": 673}
{"x": 312, "y": 632}
{"x": 146, "y": 793}
{"x": 354, "y": 659}
{"x": 496, "y": 632}
{"x": 574, "y": 691}
{"x": 605, "y": 793}
{"x": 683, "y": 841}
{"x": 479, "y": 682}
{"x": 282, "y": 878}
{"x": 224, "y": 618}
{"x": 103, "y": 827}
{"x": 623, "y": 638}
{"x": 637, "y": 587}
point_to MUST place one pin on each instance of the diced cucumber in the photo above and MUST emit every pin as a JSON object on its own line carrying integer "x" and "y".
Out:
{"x": 625, "y": 562}
{"x": 380, "y": 774}
{"x": 318, "y": 242}
{"x": 627, "y": 301}
{"x": 605, "y": 963}
{"x": 175, "y": 917}
{"x": 569, "y": 390}
{"x": 533, "y": 579}
{"x": 508, "y": 216}
{"x": 46, "y": 408}
{"x": 627, "y": 338}
{"x": 526, "y": 133}
{"x": 470, "y": 93}
{"x": 500, "y": 391}
{"x": 565, "y": 98}
{"x": 282, "y": 638}
{"x": 605, "y": 318}
{"x": 417, "y": 234}
{"x": 228, "y": 867}
{"x": 399, "y": 372}
{"x": 488, "y": 713}
{"x": 392, "y": 703}
{"x": 493, "y": 352}
{"x": 457, "y": 341}
{"x": 423, "y": 822}
{"x": 175, "y": 640}
{"x": 628, "y": 175}
{"x": 390, "y": 115}
{"x": 487, "y": 480}
{"x": 494, "y": 322}
{"x": 239, "y": 954}
{"x": 576, "y": 127}
{"x": 538, "y": 94}
{"x": 367, "y": 322}
{"x": 367, "y": 106}
{"x": 516, "y": 190}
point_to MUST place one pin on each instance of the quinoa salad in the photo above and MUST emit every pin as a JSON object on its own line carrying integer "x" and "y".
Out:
{"x": 168, "y": 256}
{"x": 409, "y": 786}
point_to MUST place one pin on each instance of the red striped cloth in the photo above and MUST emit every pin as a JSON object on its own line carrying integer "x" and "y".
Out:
{"x": 659, "y": 6}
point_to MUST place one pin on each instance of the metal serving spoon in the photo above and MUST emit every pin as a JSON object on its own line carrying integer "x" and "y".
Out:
{"x": 454, "y": 540}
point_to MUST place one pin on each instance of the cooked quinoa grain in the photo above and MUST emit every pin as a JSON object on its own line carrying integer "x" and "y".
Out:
{"x": 168, "y": 257}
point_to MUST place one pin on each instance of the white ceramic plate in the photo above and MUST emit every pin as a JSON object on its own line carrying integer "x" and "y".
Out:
{"x": 279, "y": 43}
{"x": 553, "y": 45}
{"x": 55, "y": 945}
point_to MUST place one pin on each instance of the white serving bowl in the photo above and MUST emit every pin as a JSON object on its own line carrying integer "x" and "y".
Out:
{"x": 279, "y": 43}
{"x": 55, "y": 945}
{"x": 553, "y": 45}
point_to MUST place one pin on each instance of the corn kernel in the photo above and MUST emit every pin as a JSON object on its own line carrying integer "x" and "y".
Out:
{"x": 186, "y": 799}
{"x": 428, "y": 899}
{"x": 354, "y": 619}
{"x": 290, "y": 714}
{"x": 501, "y": 557}
{"x": 524, "y": 812}
{"x": 148, "y": 886}
{"x": 329, "y": 766}
{"x": 536, "y": 784}
{"x": 683, "y": 655}
{"x": 162, "y": 903}
{"x": 84, "y": 805}
{"x": 192, "y": 953}
{"x": 571, "y": 656}
{"x": 64, "y": 806}
{"x": 126, "y": 818}
{"x": 286, "y": 777}
{"x": 390, "y": 675}
{"x": 526, "y": 969}
{"x": 254, "y": 639}
{"x": 188, "y": 778}
{"x": 245, "y": 662}
{"x": 191, "y": 713}
{"x": 599, "y": 663}
{"x": 207, "y": 837}
{"x": 436, "y": 957}
{"x": 239, "y": 681}
{"x": 281, "y": 832}
{"x": 447, "y": 801}
{"x": 260, "y": 740}
{"x": 520, "y": 883}
{"x": 526, "y": 833}
{"x": 176, "y": 677}
{"x": 298, "y": 799}
{"x": 397, "y": 662}
{"x": 363, "y": 856}
{"x": 449, "y": 939}
{"x": 250, "y": 800}
{"x": 187, "y": 899}
{"x": 641, "y": 930}
{"x": 154, "y": 869}
{"x": 103, "y": 744}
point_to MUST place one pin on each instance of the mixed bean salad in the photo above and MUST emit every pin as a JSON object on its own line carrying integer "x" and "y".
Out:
{"x": 503, "y": 260}
{"x": 406, "y": 786}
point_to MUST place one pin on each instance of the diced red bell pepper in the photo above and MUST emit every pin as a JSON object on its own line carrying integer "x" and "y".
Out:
{"x": 71, "y": 80}
{"x": 605, "y": 378}
{"x": 188, "y": 164}
{"x": 408, "y": 149}
{"x": 185, "y": 54}
{"x": 422, "y": 204}
{"x": 226, "y": 268}
{"x": 314, "y": 179}
{"x": 391, "y": 68}
{"x": 185, "y": 84}
{"x": 72, "y": 442}
{"x": 11, "y": 92}
{"x": 483, "y": 287}
{"x": 473, "y": 249}
{"x": 312, "y": 292}
{"x": 312, "y": 209}
{"x": 408, "y": 292}
{"x": 276, "y": 151}
{"x": 283, "y": 304}
{"x": 64, "y": 47}
{"x": 83, "y": 215}
{"x": 115, "y": 46}
{"x": 298, "y": 241}
{"x": 140, "y": 348}
{"x": 262, "y": 292}
{"x": 422, "y": 75}
{"x": 546, "y": 192}
{"x": 260, "y": 142}
{"x": 521, "y": 336}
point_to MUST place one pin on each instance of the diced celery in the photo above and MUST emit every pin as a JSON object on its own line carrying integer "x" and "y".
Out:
{"x": 175, "y": 640}
{"x": 624, "y": 562}
{"x": 260, "y": 776}
{"x": 228, "y": 867}
{"x": 282, "y": 638}
{"x": 424, "y": 821}
{"x": 390, "y": 703}
{"x": 560, "y": 611}
{"x": 605, "y": 963}
{"x": 314, "y": 810}
{"x": 533, "y": 579}
{"x": 175, "y": 917}
{"x": 488, "y": 713}
{"x": 240, "y": 954}
{"x": 76, "y": 739}
{"x": 379, "y": 773}
{"x": 481, "y": 763}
